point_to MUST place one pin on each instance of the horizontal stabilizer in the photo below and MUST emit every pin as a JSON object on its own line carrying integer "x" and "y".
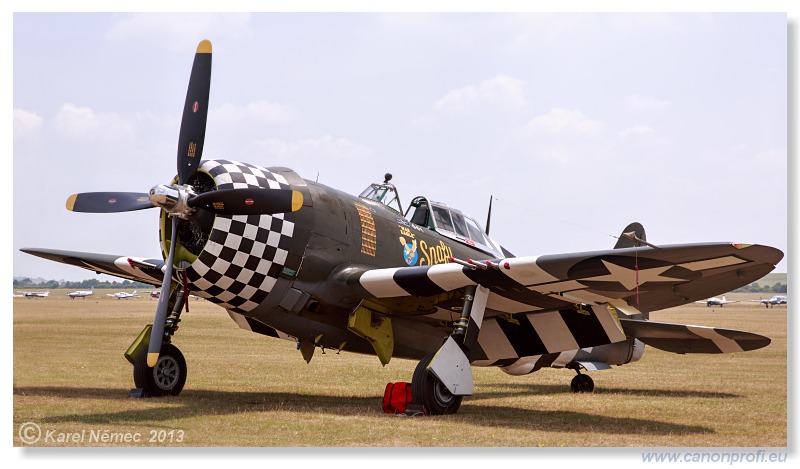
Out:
{"x": 683, "y": 338}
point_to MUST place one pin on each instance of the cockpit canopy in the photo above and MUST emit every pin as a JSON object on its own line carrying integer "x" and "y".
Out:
{"x": 446, "y": 221}
{"x": 452, "y": 223}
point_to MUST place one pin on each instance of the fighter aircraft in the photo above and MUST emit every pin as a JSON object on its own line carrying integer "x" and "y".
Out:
{"x": 774, "y": 301}
{"x": 124, "y": 295}
{"x": 81, "y": 293}
{"x": 288, "y": 257}
{"x": 714, "y": 301}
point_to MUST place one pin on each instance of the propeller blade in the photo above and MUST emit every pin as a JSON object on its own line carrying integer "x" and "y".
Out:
{"x": 157, "y": 334}
{"x": 249, "y": 201}
{"x": 108, "y": 202}
{"x": 195, "y": 112}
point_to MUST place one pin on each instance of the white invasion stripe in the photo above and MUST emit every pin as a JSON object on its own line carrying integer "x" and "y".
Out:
{"x": 713, "y": 263}
{"x": 610, "y": 324}
{"x": 240, "y": 320}
{"x": 449, "y": 277}
{"x": 123, "y": 264}
{"x": 479, "y": 305}
{"x": 564, "y": 359}
{"x": 553, "y": 331}
{"x": 725, "y": 344}
{"x": 505, "y": 305}
{"x": 494, "y": 342}
{"x": 380, "y": 283}
{"x": 523, "y": 366}
{"x": 526, "y": 271}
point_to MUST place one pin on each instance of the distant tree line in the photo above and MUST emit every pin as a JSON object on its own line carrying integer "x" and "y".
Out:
{"x": 83, "y": 284}
{"x": 756, "y": 288}
{"x": 127, "y": 284}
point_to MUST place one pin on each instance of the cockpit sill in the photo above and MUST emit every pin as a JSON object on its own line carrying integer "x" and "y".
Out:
{"x": 436, "y": 216}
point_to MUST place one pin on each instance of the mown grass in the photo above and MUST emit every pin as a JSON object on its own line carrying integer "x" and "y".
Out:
{"x": 248, "y": 390}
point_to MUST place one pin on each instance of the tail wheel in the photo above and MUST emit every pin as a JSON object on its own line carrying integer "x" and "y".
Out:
{"x": 582, "y": 383}
{"x": 166, "y": 378}
{"x": 430, "y": 392}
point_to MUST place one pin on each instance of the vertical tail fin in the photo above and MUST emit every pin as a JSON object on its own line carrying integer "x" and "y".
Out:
{"x": 638, "y": 231}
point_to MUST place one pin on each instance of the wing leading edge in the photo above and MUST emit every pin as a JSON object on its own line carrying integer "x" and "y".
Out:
{"x": 132, "y": 268}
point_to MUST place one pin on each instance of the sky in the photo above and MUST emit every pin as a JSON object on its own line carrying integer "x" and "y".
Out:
{"x": 577, "y": 124}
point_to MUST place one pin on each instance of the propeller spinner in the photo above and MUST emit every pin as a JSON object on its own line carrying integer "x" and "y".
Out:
{"x": 180, "y": 200}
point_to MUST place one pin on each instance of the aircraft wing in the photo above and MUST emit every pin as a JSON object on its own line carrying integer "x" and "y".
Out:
{"x": 630, "y": 279}
{"x": 132, "y": 268}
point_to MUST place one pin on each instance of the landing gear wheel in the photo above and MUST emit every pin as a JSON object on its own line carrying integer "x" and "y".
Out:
{"x": 428, "y": 391}
{"x": 582, "y": 383}
{"x": 166, "y": 378}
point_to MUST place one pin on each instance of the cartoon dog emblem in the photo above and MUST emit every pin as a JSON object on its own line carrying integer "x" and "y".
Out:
{"x": 409, "y": 251}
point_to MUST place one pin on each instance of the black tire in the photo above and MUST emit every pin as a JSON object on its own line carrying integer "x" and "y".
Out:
{"x": 166, "y": 378}
{"x": 429, "y": 392}
{"x": 582, "y": 383}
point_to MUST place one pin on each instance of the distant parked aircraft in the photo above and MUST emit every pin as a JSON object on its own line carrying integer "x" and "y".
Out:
{"x": 774, "y": 301}
{"x": 36, "y": 294}
{"x": 714, "y": 301}
{"x": 123, "y": 295}
{"x": 81, "y": 293}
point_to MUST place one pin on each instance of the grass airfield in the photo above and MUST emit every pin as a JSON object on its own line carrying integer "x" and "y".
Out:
{"x": 243, "y": 389}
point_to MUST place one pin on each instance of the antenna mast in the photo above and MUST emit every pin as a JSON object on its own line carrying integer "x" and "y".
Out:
{"x": 489, "y": 216}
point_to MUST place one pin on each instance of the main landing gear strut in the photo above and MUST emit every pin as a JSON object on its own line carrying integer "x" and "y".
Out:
{"x": 168, "y": 375}
{"x": 442, "y": 379}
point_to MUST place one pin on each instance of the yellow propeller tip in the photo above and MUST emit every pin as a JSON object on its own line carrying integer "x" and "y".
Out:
{"x": 297, "y": 200}
{"x": 204, "y": 47}
{"x": 71, "y": 201}
{"x": 152, "y": 359}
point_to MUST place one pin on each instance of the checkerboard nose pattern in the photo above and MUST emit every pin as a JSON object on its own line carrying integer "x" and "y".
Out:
{"x": 245, "y": 254}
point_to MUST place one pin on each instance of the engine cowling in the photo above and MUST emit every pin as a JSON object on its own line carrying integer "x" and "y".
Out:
{"x": 236, "y": 260}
